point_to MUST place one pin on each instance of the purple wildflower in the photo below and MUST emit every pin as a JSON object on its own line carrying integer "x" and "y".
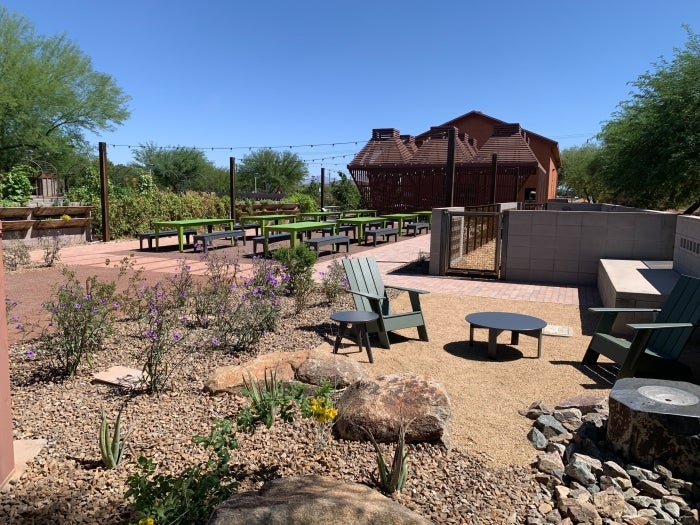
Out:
{"x": 215, "y": 341}
{"x": 176, "y": 337}
{"x": 30, "y": 354}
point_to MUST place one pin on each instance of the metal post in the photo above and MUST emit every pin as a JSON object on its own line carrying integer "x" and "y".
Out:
{"x": 232, "y": 186}
{"x": 450, "y": 170}
{"x": 104, "y": 193}
{"x": 323, "y": 187}
{"x": 494, "y": 170}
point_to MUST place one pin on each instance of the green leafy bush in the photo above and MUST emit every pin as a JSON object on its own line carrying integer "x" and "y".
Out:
{"x": 334, "y": 281}
{"x": 15, "y": 185}
{"x": 306, "y": 202}
{"x": 189, "y": 497}
{"x": 267, "y": 401}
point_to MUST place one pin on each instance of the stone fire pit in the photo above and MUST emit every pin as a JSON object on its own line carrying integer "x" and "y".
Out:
{"x": 654, "y": 420}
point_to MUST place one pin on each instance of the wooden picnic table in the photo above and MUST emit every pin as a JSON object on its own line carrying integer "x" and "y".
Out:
{"x": 294, "y": 228}
{"x": 181, "y": 225}
{"x": 359, "y": 223}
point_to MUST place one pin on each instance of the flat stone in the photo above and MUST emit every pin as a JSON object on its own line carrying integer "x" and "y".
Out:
{"x": 121, "y": 376}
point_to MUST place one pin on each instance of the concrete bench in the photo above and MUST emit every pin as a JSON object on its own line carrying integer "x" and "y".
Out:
{"x": 206, "y": 238}
{"x": 416, "y": 227}
{"x": 343, "y": 228}
{"x": 634, "y": 284}
{"x": 386, "y": 233}
{"x": 334, "y": 240}
{"x": 273, "y": 237}
{"x": 149, "y": 236}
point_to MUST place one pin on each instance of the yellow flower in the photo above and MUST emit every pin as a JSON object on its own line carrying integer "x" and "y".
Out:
{"x": 147, "y": 521}
{"x": 66, "y": 217}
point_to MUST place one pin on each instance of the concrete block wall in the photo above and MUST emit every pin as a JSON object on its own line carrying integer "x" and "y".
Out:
{"x": 564, "y": 247}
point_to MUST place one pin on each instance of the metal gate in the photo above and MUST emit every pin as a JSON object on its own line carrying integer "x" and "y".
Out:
{"x": 472, "y": 242}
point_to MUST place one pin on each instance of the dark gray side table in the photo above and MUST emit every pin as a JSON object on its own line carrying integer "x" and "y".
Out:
{"x": 358, "y": 319}
{"x": 498, "y": 322}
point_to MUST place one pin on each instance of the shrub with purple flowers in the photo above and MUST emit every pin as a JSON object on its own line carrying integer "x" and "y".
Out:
{"x": 80, "y": 318}
{"x": 162, "y": 329}
{"x": 246, "y": 311}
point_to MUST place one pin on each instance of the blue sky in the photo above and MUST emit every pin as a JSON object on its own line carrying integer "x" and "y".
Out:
{"x": 239, "y": 75}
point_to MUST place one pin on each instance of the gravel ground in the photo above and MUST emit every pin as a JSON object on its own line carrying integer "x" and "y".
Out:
{"x": 67, "y": 484}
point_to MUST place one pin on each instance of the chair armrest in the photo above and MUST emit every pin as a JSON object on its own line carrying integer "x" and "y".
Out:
{"x": 615, "y": 309}
{"x": 368, "y": 295}
{"x": 404, "y": 289}
{"x": 659, "y": 326}
{"x": 607, "y": 320}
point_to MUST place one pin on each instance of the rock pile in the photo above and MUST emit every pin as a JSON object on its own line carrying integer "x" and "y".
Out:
{"x": 589, "y": 483}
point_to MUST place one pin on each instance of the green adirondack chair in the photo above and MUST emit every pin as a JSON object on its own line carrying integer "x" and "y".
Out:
{"x": 655, "y": 347}
{"x": 369, "y": 293}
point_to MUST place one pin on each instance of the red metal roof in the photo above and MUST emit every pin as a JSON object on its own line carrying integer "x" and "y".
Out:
{"x": 509, "y": 141}
{"x": 385, "y": 148}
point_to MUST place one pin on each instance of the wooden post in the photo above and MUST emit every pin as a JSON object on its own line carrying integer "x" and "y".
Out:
{"x": 7, "y": 454}
{"x": 517, "y": 178}
{"x": 494, "y": 170}
{"x": 104, "y": 193}
{"x": 323, "y": 187}
{"x": 232, "y": 186}
{"x": 450, "y": 171}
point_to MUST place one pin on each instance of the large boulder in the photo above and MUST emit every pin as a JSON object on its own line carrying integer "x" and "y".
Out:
{"x": 383, "y": 404}
{"x": 230, "y": 378}
{"x": 313, "y": 500}
{"x": 337, "y": 369}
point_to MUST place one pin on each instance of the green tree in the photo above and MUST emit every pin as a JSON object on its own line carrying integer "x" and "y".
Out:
{"x": 174, "y": 168}
{"x": 345, "y": 193}
{"x": 650, "y": 155}
{"x": 49, "y": 95}
{"x": 271, "y": 171}
{"x": 580, "y": 172}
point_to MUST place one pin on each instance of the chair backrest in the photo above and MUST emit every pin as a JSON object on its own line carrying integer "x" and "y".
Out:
{"x": 682, "y": 306}
{"x": 363, "y": 276}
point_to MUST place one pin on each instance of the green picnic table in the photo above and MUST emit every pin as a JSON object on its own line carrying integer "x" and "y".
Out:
{"x": 294, "y": 228}
{"x": 360, "y": 222}
{"x": 181, "y": 225}
{"x": 359, "y": 213}
{"x": 400, "y": 217}
{"x": 263, "y": 220}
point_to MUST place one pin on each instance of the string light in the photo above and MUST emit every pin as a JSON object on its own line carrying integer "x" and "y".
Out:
{"x": 250, "y": 148}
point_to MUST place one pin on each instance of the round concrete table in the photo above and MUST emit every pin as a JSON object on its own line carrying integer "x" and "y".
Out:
{"x": 358, "y": 319}
{"x": 498, "y": 322}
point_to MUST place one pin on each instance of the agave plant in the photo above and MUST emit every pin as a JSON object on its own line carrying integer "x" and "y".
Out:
{"x": 392, "y": 480}
{"x": 112, "y": 449}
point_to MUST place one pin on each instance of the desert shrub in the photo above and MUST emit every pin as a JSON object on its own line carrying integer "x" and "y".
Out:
{"x": 299, "y": 263}
{"x": 15, "y": 255}
{"x": 306, "y": 202}
{"x": 80, "y": 319}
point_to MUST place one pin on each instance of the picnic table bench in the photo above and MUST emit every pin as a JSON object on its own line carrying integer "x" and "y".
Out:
{"x": 149, "y": 236}
{"x": 273, "y": 237}
{"x": 416, "y": 227}
{"x": 334, "y": 240}
{"x": 386, "y": 233}
{"x": 206, "y": 238}
{"x": 343, "y": 228}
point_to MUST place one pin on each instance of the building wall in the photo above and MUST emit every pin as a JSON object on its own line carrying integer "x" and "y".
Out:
{"x": 7, "y": 459}
{"x": 564, "y": 247}
{"x": 686, "y": 255}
